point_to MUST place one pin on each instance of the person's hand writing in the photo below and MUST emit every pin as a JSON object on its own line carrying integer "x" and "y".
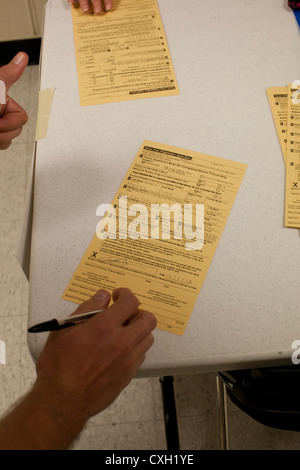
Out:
{"x": 91, "y": 363}
{"x": 12, "y": 116}
{"x": 81, "y": 370}
{"x": 84, "y": 368}
{"x": 96, "y": 5}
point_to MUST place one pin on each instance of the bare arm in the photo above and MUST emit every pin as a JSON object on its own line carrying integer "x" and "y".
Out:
{"x": 81, "y": 370}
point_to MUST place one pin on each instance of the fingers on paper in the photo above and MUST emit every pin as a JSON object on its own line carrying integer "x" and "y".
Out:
{"x": 99, "y": 301}
{"x": 139, "y": 323}
{"x": 108, "y": 4}
{"x": 98, "y": 6}
{"x": 125, "y": 305}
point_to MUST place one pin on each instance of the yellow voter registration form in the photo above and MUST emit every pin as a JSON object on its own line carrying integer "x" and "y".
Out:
{"x": 285, "y": 107}
{"x": 122, "y": 54}
{"x": 292, "y": 185}
{"x": 159, "y": 234}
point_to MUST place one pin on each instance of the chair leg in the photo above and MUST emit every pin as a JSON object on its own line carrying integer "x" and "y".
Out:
{"x": 170, "y": 416}
{"x": 222, "y": 412}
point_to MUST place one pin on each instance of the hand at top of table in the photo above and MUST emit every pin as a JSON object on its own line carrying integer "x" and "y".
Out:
{"x": 96, "y": 5}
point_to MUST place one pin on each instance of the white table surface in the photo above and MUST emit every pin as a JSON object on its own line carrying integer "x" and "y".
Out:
{"x": 225, "y": 54}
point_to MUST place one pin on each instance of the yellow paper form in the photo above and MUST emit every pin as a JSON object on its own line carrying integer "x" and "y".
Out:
{"x": 123, "y": 54}
{"x": 278, "y": 99}
{"x": 292, "y": 187}
{"x": 165, "y": 274}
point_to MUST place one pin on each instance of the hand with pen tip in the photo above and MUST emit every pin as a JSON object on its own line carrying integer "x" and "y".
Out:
{"x": 93, "y": 5}
{"x": 81, "y": 370}
{"x": 12, "y": 116}
{"x": 101, "y": 355}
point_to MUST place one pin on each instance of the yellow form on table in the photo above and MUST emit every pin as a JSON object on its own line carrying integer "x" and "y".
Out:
{"x": 278, "y": 100}
{"x": 122, "y": 54}
{"x": 292, "y": 185}
{"x": 167, "y": 273}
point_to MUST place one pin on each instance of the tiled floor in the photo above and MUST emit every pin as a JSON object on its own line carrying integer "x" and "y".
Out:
{"x": 135, "y": 420}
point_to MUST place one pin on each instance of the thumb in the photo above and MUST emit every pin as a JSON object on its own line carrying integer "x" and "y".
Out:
{"x": 11, "y": 72}
{"x": 100, "y": 301}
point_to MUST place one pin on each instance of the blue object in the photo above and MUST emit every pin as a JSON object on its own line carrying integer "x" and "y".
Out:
{"x": 297, "y": 15}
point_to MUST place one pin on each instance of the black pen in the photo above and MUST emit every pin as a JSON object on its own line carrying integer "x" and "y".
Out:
{"x": 52, "y": 325}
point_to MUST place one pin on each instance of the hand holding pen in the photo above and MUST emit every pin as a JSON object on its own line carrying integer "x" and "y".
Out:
{"x": 81, "y": 370}
{"x": 98, "y": 357}
{"x": 12, "y": 115}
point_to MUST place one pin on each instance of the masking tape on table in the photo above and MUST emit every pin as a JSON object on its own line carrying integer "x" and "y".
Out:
{"x": 44, "y": 110}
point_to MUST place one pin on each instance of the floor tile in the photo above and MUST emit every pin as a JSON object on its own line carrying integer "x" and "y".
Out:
{"x": 198, "y": 432}
{"x": 12, "y": 194}
{"x": 10, "y": 287}
{"x": 195, "y": 394}
{"x": 134, "y": 404}
{"x": 141, "y": 435}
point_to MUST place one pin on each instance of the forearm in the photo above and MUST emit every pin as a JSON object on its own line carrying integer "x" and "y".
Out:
{"x": 40, "y": 421}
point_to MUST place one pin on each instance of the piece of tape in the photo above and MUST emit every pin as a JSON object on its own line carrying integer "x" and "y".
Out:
{"x": 44, "y": 110}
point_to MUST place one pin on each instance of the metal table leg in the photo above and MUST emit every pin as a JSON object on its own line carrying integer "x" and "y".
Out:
{"x": 170, "y": 415}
